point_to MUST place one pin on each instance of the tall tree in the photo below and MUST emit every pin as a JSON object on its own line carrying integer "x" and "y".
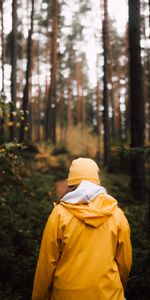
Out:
{"x": 27, "y": 77}
{"x": 98, "y": 117}
{"x": 51, "y": 103}
{"x": 146, "y": 68}
{"x": 2, "y": 41}
{"x": 149, "y": 82}
{"x": 105, "y": 89}
{"x": 126, "y": 76}
{"x": 14, "y": 67}
{"x": 136, "y": 101}
{"x": 2, "y": 68}
{"x": 149, "y": 11}
{"x": 79, "y": 91}
{"x": 98, "y": 103}
{"x": 110, "y": 74}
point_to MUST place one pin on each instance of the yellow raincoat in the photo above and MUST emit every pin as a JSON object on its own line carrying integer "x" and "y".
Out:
{"x": 85, "y": 252}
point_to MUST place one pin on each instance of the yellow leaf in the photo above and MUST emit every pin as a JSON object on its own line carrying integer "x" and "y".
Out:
{"x": 26, "y": 128}
{"x": 18, "y": 124}
{"x": 14, "y": 113}
{"x": 10, "y": 124}
{"x": 2, "y": 150}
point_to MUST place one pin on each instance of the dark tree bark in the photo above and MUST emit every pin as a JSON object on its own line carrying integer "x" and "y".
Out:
{"x": 149, "y": 11}
{"x": 111, "y": 92}
{"x": 14, "y": 68}
{"x": 126, "y": 76}
{"x": 117, "y": 103}
{"x": 136, "y": 101}
{"x": 28, "y": 74}
{"x": 98, "y": 103}
{"x": 105, "y": 91}
{"x": 149, "y": 128}
{"x": 51, "y": 103}
{"x": 46, "y": 134}
{"x": 69, "y": 104}
{"x": 2, "y": 64}
{"x": 2, "y": 41}
{"x": 98, "y": 118}
{"x": 62, "y": 115}
{"x": 78, "y": 80}
{"x": 148, "y": 75}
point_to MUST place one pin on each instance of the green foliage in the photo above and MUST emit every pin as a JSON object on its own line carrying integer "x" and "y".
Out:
{"x": 8, "y": 148}
{"x": 10, "y": 163}
{"x": 25, "y": 204}
{"x": 32, "y": 148}
{"x": 117, "y": 184}
{"x": 120, "y": 157}
{"x": 11, "y": 116}
{"x": 139, "y": 282}
{"x": 135, "y": 152}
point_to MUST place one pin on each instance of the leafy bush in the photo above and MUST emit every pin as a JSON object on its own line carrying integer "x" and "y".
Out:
{"x": 24, "y": 208}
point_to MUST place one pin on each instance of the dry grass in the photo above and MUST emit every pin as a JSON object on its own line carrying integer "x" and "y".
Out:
{"x": 80, "y": 141}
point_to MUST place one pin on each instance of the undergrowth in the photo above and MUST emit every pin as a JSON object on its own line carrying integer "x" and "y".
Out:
{"x": 26, "y": 200}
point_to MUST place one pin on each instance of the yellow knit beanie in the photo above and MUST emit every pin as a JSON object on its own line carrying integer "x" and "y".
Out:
{"x": 83, "y": 169}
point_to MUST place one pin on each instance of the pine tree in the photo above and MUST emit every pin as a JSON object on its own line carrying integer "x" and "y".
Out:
{"x": 51, "y": 103}
{"x": 2, "y": 97}
{"x": 105, "y": 90}
{"x": 27, "y": 78}
{"x": 14, "y": 69}
{"x": 136, "y": 101}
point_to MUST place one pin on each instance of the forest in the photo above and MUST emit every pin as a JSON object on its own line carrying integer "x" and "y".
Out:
{"x": 74, "y": 82}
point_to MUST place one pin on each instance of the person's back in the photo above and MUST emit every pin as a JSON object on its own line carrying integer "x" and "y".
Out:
{"x": 86, "y": 250}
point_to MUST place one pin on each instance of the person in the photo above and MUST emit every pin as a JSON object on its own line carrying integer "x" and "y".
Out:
{"x": 86, "y": 250}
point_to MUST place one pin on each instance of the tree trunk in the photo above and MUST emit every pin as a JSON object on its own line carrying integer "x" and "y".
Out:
{"x": 126, "y": 76}
{"x": 136, "y": 101}
{"x": 2, "y": 63}
{"x": 146, "y": 68}
{"x": 111, "y": 92}
{"x": 2, "y": 41}
{"x": 105, "y": 90}
{"x": 98, "y": 118}
{"x": 118, "y": 112}
{"x": 14, "y": 69}
{"x": 51, "y": 103}
{"x": 69, "y": 105}
{"x": 25, "y": 124}
{"x": 62, "y": 116}
{"x": 149, "y": 11}
{"x": 148, "y": 75}
{"x": 79, "y": 87}
{"x": 46, "y": 134}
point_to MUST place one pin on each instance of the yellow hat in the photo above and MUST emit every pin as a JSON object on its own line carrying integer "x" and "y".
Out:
{"x": 83, "y": 169}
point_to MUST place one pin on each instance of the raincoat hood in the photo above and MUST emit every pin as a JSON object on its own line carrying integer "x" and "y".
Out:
{"x": 90, "y": 203}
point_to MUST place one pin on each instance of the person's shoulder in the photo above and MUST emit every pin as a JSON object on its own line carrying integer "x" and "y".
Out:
{"x": 57, "y": 209}
{"x": 119, "y": 212}
{"x": 54, "y": 216}
{"x": 121, "y": 218}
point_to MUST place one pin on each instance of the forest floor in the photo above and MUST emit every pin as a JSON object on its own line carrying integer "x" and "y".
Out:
{"x": 31, "y": 180}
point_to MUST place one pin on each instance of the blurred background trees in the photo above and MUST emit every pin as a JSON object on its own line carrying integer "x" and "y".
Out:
{"x": 49, "y": 90}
